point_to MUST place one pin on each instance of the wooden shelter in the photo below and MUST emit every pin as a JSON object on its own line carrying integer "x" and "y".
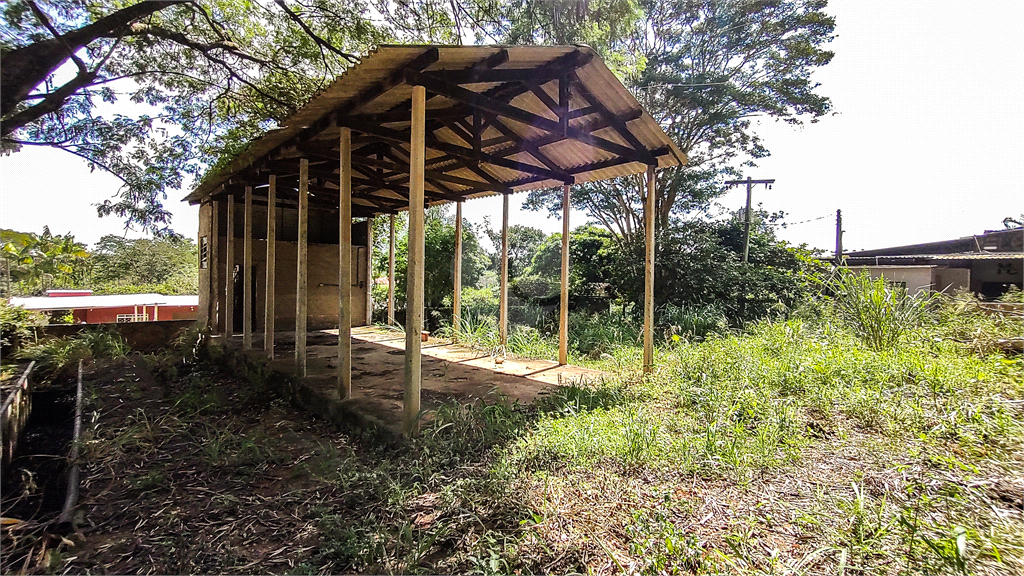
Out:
{"x": 411, "y": 126}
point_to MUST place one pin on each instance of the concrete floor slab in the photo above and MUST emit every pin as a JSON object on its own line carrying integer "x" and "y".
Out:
{"x": 450, "y": 373}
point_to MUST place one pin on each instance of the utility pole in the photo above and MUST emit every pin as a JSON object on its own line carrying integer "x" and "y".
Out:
{"x": 746, "y": 227}
{"x": 839, "y": 237}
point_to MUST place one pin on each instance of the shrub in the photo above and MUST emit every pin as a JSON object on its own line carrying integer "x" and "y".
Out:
{"x": 596, "y": 334}
{"x": 16, "y": 324}
{"x": 479, "y": 301}
{"x": 877, "y": 312}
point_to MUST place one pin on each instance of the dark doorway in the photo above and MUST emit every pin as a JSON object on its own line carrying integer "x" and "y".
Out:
{"x": 240, "y": 300}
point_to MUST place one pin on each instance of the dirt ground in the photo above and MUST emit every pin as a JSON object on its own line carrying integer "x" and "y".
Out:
{"x": 212, "y": 478}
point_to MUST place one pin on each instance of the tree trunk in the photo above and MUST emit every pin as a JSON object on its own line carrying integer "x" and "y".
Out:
{"x": 27, "y": 67}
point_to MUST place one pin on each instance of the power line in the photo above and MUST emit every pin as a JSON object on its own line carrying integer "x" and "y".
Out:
{"x": 787, "y": 224}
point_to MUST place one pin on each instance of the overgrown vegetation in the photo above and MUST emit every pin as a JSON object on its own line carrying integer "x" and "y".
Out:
{"x": 877, "y": 312}
{"x": 34, "y": 263}
{"x": 16, "y": 326}
{"x": 794, "y": 446}
{"x": 58, "y": 357}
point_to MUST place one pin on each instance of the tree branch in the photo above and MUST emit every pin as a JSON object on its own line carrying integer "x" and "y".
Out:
{"x": 27, "y": 67}
{"x": 320, "y": 41}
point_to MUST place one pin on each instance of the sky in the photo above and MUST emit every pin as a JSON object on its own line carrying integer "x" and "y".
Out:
{"x": 924, "y": 144}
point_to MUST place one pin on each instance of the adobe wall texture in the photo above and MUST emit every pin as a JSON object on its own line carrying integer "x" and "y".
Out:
{"x": 322, "y": 273}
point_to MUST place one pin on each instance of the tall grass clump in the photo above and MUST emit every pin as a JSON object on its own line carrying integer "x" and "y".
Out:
{"x": 879, "y": 313}
{"x": 58, "y": 357}
{"x": 594, "y": 334}
{"x": 692, "y": 323}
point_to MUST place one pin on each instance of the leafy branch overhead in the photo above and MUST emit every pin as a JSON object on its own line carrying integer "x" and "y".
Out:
{"x": 215, "y": 73}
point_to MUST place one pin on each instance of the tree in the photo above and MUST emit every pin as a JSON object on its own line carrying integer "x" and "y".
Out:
{"x": 218, "y": 72}
{"x": 708, "y": 68}
{"x": 591, "y": 257}
{"x": 439, "y": 258}
{"x": 700, "y": 265}
{"x": 42, "y": 261}
{"x": 165, "y": 264}
{"x": 523, "y": 242}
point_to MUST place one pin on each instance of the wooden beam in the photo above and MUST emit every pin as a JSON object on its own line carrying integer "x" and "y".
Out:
{"x": 247, "y": 272}
{"x": 402, "y": 110}
{"x": 649, "y": 274}
{"x": 525, "y": 144}
{"x": 455, "y": 150}
{"x": 215, "y": 291}
{"x": 391, "y": 272}
{"x": 414, "y": 288}
{"x": 431, "y": 174}
{"x": 563, "y": 311}
{"x": 503, "y": 303}
{"x": 607, "y": 114}
{"x": 345, "y": 268}
{"x": 482, "y": 102}
{"x": 269, "y": 308}
{"x": 428, "y": 57}
{"x": 301, "y": 270}
{"x": 525, "y": 76}
{"x": 507, "y": 91}
{"x": 457, "y": 295}
{"x": 203, "y": 311}
{"x": 229, "y": 274}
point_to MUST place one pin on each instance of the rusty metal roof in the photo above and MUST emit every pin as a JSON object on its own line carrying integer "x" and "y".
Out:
{"x": 500, "y": 119}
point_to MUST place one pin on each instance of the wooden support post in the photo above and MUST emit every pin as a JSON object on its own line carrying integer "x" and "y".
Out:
{"x": 300, "y": 276}
{"x": 268, "y": 314}
{"x": 247, "y": 272}
{"x": 391, "y": 273}
{"x": 345, "y": 267}
{"x": 214, "y": 270}
{"x": 156, "y": 312}
{"x": 563, "y": 311}
{"x": 839, "y": 237}
{"x": 414, "y": 286}
{"x": 369, "y": 272}
{"x": 503, "y": 304}
{"x": 457, "y": 295}
{"x": 649, "y": 274}
{"x": 229, "y": 273}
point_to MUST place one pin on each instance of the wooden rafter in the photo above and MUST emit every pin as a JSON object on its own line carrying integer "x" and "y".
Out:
{"x": 482, "y": 102}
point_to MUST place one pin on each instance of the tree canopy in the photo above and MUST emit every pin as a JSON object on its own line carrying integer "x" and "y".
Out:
{"x": 706, "y": 69}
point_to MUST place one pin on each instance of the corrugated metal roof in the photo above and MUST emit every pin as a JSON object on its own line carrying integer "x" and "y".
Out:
{"x": 980, "y": 256}
{"x": 107, "y": 301}
{"x": 963, "y": 256}
{"x": 317, "y": 121}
